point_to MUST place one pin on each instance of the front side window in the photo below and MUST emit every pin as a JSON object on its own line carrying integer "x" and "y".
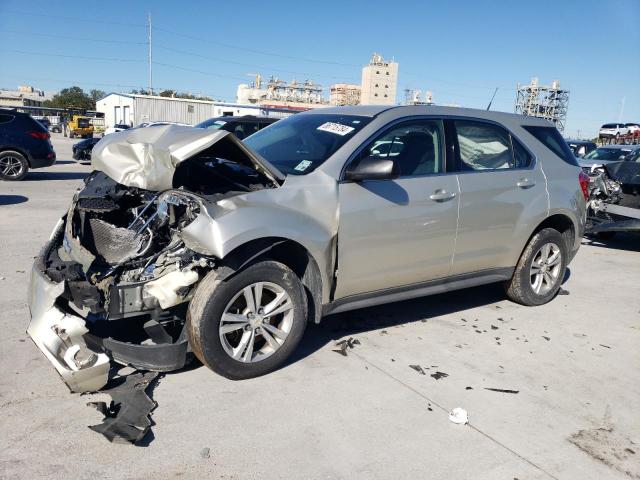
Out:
{"x": 417, "y": 147}
{"x": 483, "y": 146}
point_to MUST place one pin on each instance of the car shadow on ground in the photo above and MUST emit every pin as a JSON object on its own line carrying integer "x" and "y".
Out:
{"x": 38, "y": 176}
{"x": 334, "y": 327}
{"x": 621, "y": 241}
{"x": 12, "y": 199}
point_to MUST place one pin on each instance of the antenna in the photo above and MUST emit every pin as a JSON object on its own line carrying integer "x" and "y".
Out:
{"x": 492, "y": 97}
{"x": 150, "y": 55}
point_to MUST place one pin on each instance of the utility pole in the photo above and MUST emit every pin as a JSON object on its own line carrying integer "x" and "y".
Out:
{"x": 621, "y": 110}
{"x": 150, "y": 55}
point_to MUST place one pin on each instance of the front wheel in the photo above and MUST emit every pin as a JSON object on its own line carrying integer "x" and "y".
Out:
{"x": 540, "y": 270}
{"x": 250, "y": 324}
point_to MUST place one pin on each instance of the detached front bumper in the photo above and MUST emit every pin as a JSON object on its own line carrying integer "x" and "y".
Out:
{"x": 60, "y": 337}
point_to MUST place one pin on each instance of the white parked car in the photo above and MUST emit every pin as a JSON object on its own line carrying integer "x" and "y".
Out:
{"x": 613, "y": 130}
{"x": 634, "y": 128}
{"x": 118, "y": 127}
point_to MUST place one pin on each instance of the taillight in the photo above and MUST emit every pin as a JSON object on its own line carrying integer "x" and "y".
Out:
{"x": 583, "y": 178}
{"x": 40, "y": 135}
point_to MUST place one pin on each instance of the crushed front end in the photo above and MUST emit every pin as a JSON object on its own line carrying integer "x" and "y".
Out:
{"x": 113, "y": 282}
{"x": 614, "y": 198}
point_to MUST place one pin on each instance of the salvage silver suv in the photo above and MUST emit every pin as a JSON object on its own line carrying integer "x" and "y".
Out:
{"x": 187, "y": 241}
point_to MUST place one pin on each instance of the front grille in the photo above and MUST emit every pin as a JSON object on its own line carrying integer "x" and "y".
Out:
{"x": 113, "y": 244}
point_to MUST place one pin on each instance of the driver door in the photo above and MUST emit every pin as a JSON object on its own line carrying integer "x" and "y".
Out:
{"x": 399, "y": 232}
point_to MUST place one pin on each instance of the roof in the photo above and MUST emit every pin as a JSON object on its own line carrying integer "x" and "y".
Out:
{"x": 620, "y": 147}
{"x": 245, "y": 118}
{"x": 579, "y": 142}
{"x": 408, "y": 110}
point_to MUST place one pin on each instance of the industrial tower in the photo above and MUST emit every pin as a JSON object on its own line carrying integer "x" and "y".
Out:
{"x": 550, "y": 102}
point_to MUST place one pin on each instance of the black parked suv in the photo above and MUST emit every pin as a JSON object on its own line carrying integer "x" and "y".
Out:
{"x": 241, "y": 127}
{"x": 24, "y": 143}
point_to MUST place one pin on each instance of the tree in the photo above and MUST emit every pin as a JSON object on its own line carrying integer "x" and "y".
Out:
{"x": 96, "y": 95}
{"x": 72, "y": 97}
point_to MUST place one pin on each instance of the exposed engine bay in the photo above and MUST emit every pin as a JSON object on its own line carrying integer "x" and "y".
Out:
{"x": 614, "y": 198}
{"x": 114, "y": 281}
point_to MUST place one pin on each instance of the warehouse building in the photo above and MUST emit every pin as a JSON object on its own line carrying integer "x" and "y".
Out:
{"x": 134, "y": 109}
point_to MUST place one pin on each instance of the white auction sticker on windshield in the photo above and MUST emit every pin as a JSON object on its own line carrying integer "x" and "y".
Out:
{"x": 336, "y": 128}
{"x": 302, "y": 166}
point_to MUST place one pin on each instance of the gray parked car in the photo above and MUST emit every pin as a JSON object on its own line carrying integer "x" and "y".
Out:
{"x": 188, "y": 240}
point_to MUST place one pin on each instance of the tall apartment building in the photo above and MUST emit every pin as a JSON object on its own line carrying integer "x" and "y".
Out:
{"x": 379, "y": 82}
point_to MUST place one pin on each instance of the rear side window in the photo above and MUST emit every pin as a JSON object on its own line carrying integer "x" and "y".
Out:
{"x": 5, "y": 118}
{"x": 550, "y": 137}
{"x": 484, "y": 146}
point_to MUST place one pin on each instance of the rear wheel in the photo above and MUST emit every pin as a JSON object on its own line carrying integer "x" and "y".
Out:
{"x": 13, "y": 166}
{"x": 248, "y": 325}
{"x": 540, "y": 270}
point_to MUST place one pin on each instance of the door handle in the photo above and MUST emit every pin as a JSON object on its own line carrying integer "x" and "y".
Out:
{"x": 525, "y": 183}
{"x": 441, "y": 196}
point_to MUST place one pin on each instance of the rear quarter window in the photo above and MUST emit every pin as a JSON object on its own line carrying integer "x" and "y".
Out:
{"x": 550, "y": 137}
{"x": 4, "y": 118}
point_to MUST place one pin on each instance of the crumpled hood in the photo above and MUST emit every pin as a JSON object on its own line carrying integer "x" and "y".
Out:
{"x": 147, "y": 157}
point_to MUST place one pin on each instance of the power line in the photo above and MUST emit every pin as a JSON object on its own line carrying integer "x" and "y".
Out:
{"x": 251, "y": 50}
{"x": 250, "y": 65}
{"x": 69, "y": 37}
{"x": 74, "y": 19}
{"x": 105, "y": 59}
{"x": 177, "y": 67}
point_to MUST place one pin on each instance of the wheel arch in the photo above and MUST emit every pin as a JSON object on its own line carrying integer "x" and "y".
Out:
{"x": 290, "y": 253}
{"x": 22, "y": 152}
{"x": 564, "y": 224}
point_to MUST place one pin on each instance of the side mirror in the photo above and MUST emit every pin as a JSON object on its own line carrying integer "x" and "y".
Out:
{"x": 373, "y": 168}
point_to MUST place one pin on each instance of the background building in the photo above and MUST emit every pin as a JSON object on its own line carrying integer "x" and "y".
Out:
{"x": 550, "y": 102}
{"x": 344, "y": 94}
{"x": 379, "y": 82}
{"x": 24, "y": 96}
{"x": 133, "y": 109}
{"x": 276, "y": 93}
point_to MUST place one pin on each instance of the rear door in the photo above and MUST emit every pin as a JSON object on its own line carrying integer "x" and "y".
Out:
{"x": 399, "y": 232}
{"x": 503, "y": 196}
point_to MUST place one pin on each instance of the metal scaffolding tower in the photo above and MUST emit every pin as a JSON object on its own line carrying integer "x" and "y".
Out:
{"x": 550, "y": 102}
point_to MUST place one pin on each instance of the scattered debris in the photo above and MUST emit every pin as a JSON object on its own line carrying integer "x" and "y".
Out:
{"x": 498, "y": 307}
{"x": 3, "y": 278}
{"x": 345, "y": 344}
{"x": 459, "y": 415}
{"x": 127, "y": 418}
{"x": 19, "y": 271}
{"x": 502, "y": 390}
{"x": 478, "y": 331}
{"x": 493, "y": 327}
{"x": 605, "y": 346}
{"x": 500, "y": 319}
{"x": 611, "y": 448}
{"x": 562, "y": 291}
{"x": 384, "y": 332}
{"x": 546, "y": 338}
{"x": 579, "y": 335}
{"x": 205, "y": 453}
{"x": 439, "y": 375}
{"x": 418, "y": 369}
{"x": 468, "y": 388}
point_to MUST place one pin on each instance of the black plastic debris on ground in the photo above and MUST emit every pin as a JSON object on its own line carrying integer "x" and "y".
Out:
{"x": 439, "y": 375}
{"x": 346, "y": 344}
{"x": 562, "y": 291}
{"x": 501, "y": 390}
{"x": 127, "y": 418}
{"x": 418, "y": 369}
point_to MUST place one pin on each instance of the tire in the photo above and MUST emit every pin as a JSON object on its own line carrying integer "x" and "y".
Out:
{"x": 523, "y": 287}
{"x": 13, "y": 166}
{"x": 214, "y": 296}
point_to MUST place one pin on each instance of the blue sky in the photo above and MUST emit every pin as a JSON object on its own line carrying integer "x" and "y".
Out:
{"x": 459, "y": 50}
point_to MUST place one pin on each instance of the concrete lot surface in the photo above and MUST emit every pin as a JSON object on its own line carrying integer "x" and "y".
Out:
{"x": 574, "y": 363}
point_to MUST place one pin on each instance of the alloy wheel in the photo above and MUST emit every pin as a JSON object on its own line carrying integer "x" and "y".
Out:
{"x": 256, "y": 322}
{"x": 546, "y": 268}
{"x": 11, "y": 166}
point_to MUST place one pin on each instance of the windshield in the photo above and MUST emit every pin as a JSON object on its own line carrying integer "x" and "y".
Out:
{"x": 83, "y": 122}
{"x": 607, "y": 154}
{"x": 212, "y": 123}
{"x": 301, "y": 143}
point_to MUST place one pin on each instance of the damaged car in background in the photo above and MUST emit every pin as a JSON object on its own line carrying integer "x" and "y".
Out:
{"x": 187, "y": 241}
{"x": 614, "y": 198}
